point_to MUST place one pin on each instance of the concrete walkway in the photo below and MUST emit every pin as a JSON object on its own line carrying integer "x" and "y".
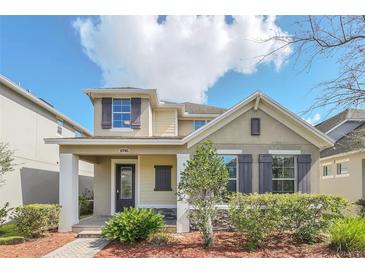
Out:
{"x": 79, "y": 248}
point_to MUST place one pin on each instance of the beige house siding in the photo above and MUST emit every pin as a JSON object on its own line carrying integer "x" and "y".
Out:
{"x": 165, "y": 123}
{"x": 145, "y": 184}
{"x": 148, "y": 196}
{"x": 185, "y": 127}
{"x": 24, "y": 125}
{"x": 236, "y": 135}
{"x": 351, "y": 185}
{"x": 146, "y": 126}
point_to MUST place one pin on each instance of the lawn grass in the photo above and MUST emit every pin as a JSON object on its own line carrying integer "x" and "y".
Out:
{"x": 8, "y": 230}
{"x": 10, "y": 235}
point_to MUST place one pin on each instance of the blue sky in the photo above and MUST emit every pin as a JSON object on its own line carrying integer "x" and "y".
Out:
{"x": 45, "y": 55}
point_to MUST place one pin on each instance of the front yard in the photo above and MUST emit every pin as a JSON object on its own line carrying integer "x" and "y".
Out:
{"x": 36, "y": 248}
{"x": 227, "y": 245}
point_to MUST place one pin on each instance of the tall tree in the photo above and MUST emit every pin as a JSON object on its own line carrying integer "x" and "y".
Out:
{"x": 203, "y": 185}
{"x": 339, "y": 37}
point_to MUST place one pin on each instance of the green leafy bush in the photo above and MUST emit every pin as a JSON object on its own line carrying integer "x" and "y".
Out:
{"x": 160, "y": 238}
{"x": 348, "y": 235}
{"x": 4, "y": 212}
{"x": 361, "y": 203}
{"x": 36, "y": 219}
{"x": 133, "y": 225}
{"x": 85, "y": 205}
{"x": 304, "y": 216}
{"x": 11, "y": 240}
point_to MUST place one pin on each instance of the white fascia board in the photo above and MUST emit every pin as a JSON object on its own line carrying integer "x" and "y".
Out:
{"x": 284, "y": 152}
{"x": 21, "y": 91}
{"x": 66, "y": 141}
{"x": 341, "y": 154}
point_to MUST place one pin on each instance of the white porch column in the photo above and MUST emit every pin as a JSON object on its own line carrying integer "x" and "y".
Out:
{"x": 182, "y": 221}
{"x": 68, "y": 191}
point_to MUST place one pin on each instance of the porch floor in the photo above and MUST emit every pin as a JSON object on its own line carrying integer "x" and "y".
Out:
{"x": 96, "y": 222}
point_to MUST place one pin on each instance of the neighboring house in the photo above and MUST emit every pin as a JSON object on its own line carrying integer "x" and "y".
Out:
{"x": 25, "y": 121}
{"x": 141, "y": 144}
{"x": 343, "y": 165}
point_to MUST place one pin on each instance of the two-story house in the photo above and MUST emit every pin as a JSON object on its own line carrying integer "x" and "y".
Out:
{"x": 25, "y": 120}
{"x": 140, "y": 146}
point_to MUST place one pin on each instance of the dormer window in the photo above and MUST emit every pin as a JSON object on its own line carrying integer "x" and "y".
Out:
{"x": 199, "y": 123}
{"x": 121, "y": 113}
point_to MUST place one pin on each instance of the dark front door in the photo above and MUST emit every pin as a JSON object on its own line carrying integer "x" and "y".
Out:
{"x": 125, "y": 188}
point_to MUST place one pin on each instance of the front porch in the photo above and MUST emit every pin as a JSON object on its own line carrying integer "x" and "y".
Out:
{"x": 95, "y": 223}
{"x": 119, "y": 182}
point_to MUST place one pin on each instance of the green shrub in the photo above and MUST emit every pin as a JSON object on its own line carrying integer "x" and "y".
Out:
{"x": 348, "y": 235}
{"x": 35, "y": 219}
{"x": 160, "y": 238}
{"x": 304, "y": 216}
{"x": 361, "y": 203}
{"x": 11, "y": 240}
{"x": 85, "y": 205}
{"x": 4, "y": 212}
{"x": 133, "y": 225}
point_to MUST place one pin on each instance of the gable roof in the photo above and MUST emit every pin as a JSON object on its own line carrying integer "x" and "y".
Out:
{"x": 274, "y": 109}
{"x": 336, "y": 120}
{"x": 255, "y": 101}
{"x": 42, "y": 104}
{"x": 345, "y": 127}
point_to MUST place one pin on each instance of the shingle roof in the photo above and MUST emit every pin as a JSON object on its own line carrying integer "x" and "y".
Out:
{"x": 193, "y": 108}
{"x": 350, "y": 142}
{"x": 349, "y": 113}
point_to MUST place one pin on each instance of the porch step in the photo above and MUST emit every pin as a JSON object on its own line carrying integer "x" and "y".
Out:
{"x": 170, "y": 228}
{"x": 81, "y": 228}
{"x": 89, "y": 234}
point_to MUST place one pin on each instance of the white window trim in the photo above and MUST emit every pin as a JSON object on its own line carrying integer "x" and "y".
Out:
{"x": 328, "y": 176}
{"x": 284, "y": 152}
{"x": 295, "y": 173}
{"x": 130, "y": 114}
{"x": 119, "y": 129}
{"x": 341, "y": 162}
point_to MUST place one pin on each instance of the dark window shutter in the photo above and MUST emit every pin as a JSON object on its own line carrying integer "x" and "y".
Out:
{"x": 304, "y": 166}
{"x": 245, "y": 173}
{"x": 136, "y": 113}
{"x": 106, "y": 117}
{"x": 265, "y": 176}
{"x": 163, "y": 178}
{"x": 255, "y": 126}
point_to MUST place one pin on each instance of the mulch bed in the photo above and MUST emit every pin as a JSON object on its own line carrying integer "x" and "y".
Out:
{"x": 227, "y": 245}
{"x": 37, "y": 247}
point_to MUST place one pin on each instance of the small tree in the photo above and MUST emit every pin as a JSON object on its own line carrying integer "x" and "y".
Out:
{"x": 6, "y": 160}
{"x": 203, "y": 185}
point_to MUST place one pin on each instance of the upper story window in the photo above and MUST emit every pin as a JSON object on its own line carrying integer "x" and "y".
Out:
{"x": 121, "y": 113}
{"x": 342, "y": 168}
{"x": 326, "y": 170}
{"x": 283, "y": 174}
{"x": 199, "y": 123}
{"x": 231, "y": 164}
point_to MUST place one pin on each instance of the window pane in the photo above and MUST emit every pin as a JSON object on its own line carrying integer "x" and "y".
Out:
{"x": 199, "y": 123}
{"x": 117, "y": 102}
{"x": 126, "y": 102}
{"x": 117, "y": 108}
{"x": 126, "y": 183}
{"x": 117, "y": 117}
{"x": 276, "y": 172}
{"x": 232, "y": 185}
{"x": 117, "y": 124}
{"x": 231, "y": 164}
{"x": 288, "y": 186}
{"x": 288, "y": 173}
{"x": 126, "y": 108}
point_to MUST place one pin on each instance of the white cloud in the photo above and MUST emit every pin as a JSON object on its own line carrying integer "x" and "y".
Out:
{"x": 314, "y": 119}
{"x": 182, "y": 57}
